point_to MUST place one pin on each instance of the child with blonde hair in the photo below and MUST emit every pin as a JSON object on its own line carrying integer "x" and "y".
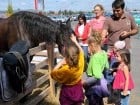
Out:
{"x": 93, "y": 79}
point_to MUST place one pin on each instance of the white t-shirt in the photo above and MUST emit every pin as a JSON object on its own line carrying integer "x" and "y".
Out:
{"x": 81, "y": 29}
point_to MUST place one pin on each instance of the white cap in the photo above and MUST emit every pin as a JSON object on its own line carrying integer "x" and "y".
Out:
{"x": 119, "y": 45}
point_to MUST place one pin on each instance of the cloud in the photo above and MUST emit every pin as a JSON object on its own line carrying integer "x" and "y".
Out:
{"x": 23, "y": 3}
{"x": 56, "y": 5}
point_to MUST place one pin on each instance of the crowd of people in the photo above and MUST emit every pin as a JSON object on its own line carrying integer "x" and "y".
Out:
{"x": 103, "y": 44}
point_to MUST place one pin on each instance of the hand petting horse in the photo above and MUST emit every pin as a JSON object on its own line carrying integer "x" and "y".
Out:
{"x": 34, "y": 29}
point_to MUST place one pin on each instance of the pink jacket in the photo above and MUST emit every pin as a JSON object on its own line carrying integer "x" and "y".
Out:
{"x": 97, "y": 24}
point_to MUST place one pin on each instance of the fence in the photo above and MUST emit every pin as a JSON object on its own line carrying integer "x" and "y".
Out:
{"x": 41, "y": 77}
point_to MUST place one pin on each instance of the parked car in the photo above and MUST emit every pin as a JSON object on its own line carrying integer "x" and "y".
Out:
{"x": 137, "y": 18}
{"x": 89, "y": 17}
{"x": 54, "y": 18}
{"x": 59, "y": 18}
{"x": 108, "y": 14}
{"x": 74, "y": 17}
{"x": 62, "y": 18}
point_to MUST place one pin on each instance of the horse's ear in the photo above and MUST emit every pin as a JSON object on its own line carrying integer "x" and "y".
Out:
{"x": 68, "y": 22}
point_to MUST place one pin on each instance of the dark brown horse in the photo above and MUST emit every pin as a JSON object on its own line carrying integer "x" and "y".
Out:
{"x": 33, "y": 28}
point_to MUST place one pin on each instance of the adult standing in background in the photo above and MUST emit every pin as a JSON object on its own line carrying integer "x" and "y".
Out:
{"x": 120, "y": 26}
{"x": 98, "y": 21}
{"x": 82, "y": 32}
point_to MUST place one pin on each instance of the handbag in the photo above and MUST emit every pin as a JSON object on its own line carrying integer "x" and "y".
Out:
{"x": 101, "y": 88}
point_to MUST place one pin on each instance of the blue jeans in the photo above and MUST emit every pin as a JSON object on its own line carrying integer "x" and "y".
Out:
{"x": 125, "y": 100}
{"x": 85, "y": 48}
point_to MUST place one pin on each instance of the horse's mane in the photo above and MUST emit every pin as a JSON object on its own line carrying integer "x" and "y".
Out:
{"x": 34, "y": 29}
{"x": 36, "y": 25}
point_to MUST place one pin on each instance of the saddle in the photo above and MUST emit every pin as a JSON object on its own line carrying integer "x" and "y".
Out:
{"x": 15, "y": 72}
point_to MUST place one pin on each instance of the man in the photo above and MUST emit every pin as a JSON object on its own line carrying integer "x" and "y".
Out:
{"x": 120, "y": 26}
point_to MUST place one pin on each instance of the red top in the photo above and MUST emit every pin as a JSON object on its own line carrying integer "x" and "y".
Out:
{"x": 119, "y": 81}
{"x": 97, "y": 25}
{"x": 85, "y": 34}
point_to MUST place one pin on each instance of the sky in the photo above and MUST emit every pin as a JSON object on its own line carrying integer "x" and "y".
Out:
{"x": 55, "y": 5}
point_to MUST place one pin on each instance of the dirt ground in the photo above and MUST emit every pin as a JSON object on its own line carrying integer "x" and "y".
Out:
{"x": 52, "y": 100}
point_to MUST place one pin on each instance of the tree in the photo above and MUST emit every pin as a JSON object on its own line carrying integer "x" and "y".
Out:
{"x": 9, "y": 10}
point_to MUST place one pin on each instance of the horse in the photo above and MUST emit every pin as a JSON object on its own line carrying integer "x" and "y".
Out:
{"x": 34, "y": 29}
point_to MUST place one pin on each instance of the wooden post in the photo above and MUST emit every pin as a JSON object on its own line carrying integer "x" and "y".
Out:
{"x": 50, "y": 51}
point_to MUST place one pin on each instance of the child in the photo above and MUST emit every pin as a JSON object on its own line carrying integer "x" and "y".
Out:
{"x": 94, "y": 74}
{"x": 123, "y": 80}
{"x": 118, "y": 45}
{"x": 69, "y": 72}
{"x": 113, "y": 62}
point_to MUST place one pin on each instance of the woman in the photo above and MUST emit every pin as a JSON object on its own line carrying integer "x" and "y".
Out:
{"x": 97, "y": 23}
{"x": 82, "y": 32}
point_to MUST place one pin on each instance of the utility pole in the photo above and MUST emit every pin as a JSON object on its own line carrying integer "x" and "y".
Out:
{"x": 42, "y": 3}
